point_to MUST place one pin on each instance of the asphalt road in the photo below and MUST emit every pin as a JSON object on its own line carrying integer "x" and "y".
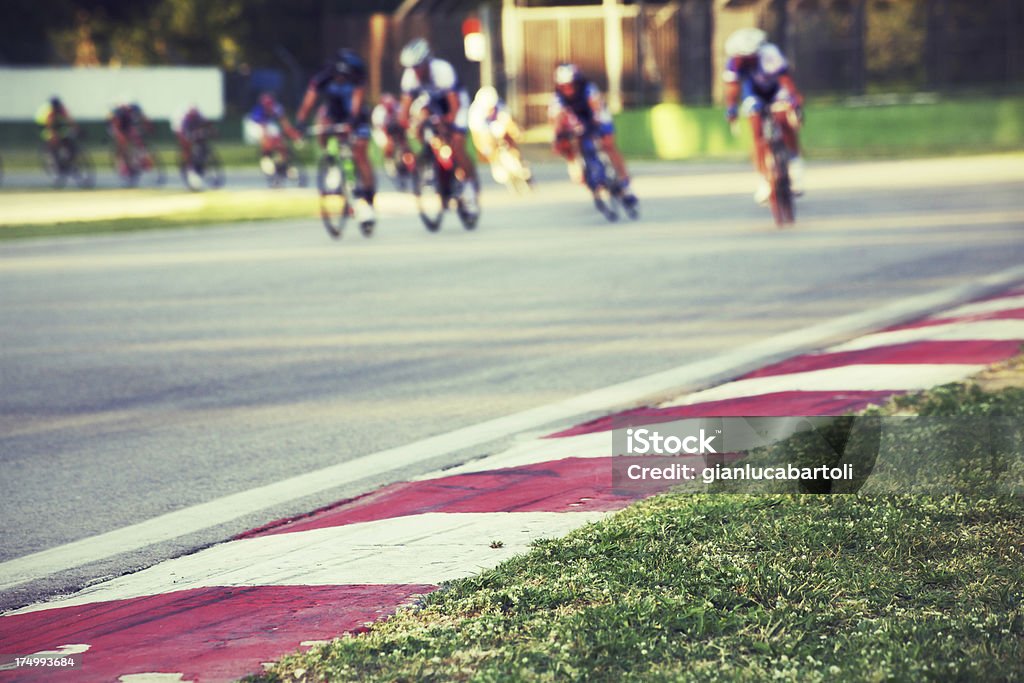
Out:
{"x": 145, "y": 373}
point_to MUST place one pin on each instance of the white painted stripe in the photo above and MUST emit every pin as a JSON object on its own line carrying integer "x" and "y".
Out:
{"x": 1006, "y": 303}
{"x": 536, "y": 450}
{"x": 981, "y": 330}
{"x": 843, "y": 378}
{"x": 401, "y": 459}
{"x": 418, "y": 549}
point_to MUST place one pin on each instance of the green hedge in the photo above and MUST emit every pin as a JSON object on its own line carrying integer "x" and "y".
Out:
{"x": 672, "y": 131}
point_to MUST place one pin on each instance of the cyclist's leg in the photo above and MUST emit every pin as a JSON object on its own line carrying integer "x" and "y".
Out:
{"x": 462, "y": 159}
{"x": 607, "y": 141}
{"x": 367, "y": 183}
{"x": 460, "y": 128}
{"x": 564, "y": 144}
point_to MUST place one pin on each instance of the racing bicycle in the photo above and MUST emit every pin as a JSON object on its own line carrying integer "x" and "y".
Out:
{"x": 508, "y": 167}
{"x": 602, "y": 181}
{"x": 337, "y": 181}
{"x": 205, "y": 169}
{"x": 400, "y": 165}
{"x": 437, "y": 184}
{"x": 777, "y": 158}
{"x": 282, "y": 166}
{"x": 137, "y": 162}
{"x": 69, "y": 160}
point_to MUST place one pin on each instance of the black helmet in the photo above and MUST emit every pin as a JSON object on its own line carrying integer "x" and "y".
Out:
{"x": 347, "y": 63}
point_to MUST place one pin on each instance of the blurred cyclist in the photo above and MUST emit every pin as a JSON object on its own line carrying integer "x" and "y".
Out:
{"x": 757, "y": 76}
{"x": 266, "y": 121}
{"x": 126, "y": 125}
{"x": 59, "y": 128}
{"x": 342, "y": 85}
{"x": 578, "y": 109}
{"x": 490, "y": 123}
{"x": 188, "y": 125}
{"x": 437, "y": 83}
{"x": 491, "y": 126}
{"x": 387, "y": 130}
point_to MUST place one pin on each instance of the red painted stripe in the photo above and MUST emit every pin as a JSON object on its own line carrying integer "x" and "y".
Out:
{"x": 567, "y": 485}
{"x": 932, "y": 352}
{"x": 1009, "y": 314}
{"x": 779, "y": 404}
{"x": 207, "y": 634}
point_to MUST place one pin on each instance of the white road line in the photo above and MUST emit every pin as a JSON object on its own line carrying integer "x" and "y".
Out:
{"x": 843, "y": 378}
{"x": 701, "y": 373}
{"x": 417, "y": 549}
{"x": 1006, "y": 303}
{"x": 981, "y": 330}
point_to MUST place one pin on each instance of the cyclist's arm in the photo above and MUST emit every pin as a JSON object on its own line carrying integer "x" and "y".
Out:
{"x": 787, "y": 82}
{"x": 358, "y": 97}
{"x": 287, "y": 127}
{"x": 308, "y": 102}
{"x": 596, "y": 103}
{"x": 732, "y": 98}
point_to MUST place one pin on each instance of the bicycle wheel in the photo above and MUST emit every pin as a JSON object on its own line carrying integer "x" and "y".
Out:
{"x": 296, "y": 172}
{"x": 426, "y": 186}
{"x": 782, "y": 194}
{"x": 83, "y": 170}
{"x": 155, "y": 172}
{"x": 468, "y": 218}
{"x": 519, "y": 176}
{"x": 49, "y": 164}
{"x": 125, "y": 167}
{"x": 190, "y": 176}
{"x": 334, "y": 202}
{"x": 213, "y": 171}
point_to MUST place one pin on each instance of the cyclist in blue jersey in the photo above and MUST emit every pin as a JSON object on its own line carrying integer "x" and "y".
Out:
{"x": 266, "y": 121}
{"x": 756, "y": 77}
{"x": 435, "y": 81}
{"x": 342, "y": 86}
{"x": 576, "y": 109}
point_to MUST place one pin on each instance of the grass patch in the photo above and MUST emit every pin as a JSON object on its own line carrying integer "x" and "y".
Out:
{"x": 155, "y": 210}
{"x": 834, "y": 130}
{"x": 734, "y": 587}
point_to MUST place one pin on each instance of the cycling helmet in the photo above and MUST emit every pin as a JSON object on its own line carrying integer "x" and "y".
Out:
{"x": 487, "y": 97}
{"x": 567, "y": 73}
{"x": 745, "y": 42}
{"x": 414, "y": 54}
{"x": 347, "y": 63}
{"x": 56, "y": 103}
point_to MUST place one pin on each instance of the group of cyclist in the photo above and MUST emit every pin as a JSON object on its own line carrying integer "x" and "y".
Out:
{"x": 756, "y": 77}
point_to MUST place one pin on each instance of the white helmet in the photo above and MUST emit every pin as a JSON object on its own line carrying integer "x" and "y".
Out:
{"x": 745, "y": 42}
{"x": 415, "y": 53}
{"x": 487, "y": 97}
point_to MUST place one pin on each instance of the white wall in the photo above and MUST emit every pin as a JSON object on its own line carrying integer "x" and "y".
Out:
{"x": 89, "y": 93}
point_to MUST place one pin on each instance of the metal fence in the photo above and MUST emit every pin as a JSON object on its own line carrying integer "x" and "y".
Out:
{"x": 667, "y": 50}
{"x": 865, "y": 46}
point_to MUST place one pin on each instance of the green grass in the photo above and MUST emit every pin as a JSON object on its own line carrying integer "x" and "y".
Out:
{"x": 835, "y": 131}
{"x": 215, "y": 208}
{"x": 732, "y": 587}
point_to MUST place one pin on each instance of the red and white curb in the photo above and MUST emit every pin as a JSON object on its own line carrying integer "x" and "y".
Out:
{"x": 220, "y": 613}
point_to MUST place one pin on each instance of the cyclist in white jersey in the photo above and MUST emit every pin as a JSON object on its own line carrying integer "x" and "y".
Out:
{"x": 435, "y": 81}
